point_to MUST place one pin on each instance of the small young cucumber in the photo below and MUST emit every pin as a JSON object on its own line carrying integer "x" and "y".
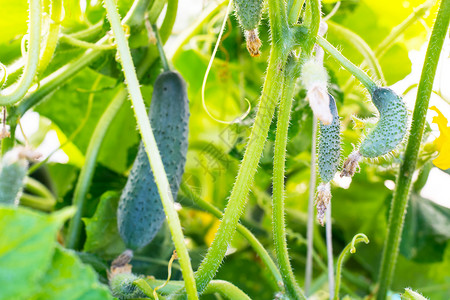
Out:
{"x": 330, "y": 145}
{"x": 390, "y": 130}
{"x": 249, "y": 13}
{"x": 329, "y": 157}
{"x": 140, "y": 212}
{"x": 122, "y": 286}
{"x": 13, "y": 169}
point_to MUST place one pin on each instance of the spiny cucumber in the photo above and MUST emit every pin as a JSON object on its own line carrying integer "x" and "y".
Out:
{"x": 387, "y": 133}
{"x": 13, "y": 170}
{"x": 140, "y": 212}
{"x": 249, "y": 14}
{"x": 330, "y": 145}
{"x": 328, "y": 159}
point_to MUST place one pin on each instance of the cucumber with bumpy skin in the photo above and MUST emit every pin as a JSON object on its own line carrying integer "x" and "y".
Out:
{"x": 140, "y": 212}
{"x": 328, "y": 159}
{"x": 13, "y": 169}
{"x": 391, "y": 127}
{"x": 386, "y": 135}
{"x": 330, "y": 145}
{"x": 122, "y": 286}
{"x": 249, "y": 13}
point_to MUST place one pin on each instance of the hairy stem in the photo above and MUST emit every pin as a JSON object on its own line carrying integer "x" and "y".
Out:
{"x": 278, "y": 217}
{"x": 362, "y": 47}
{"x": 350, "y": 248}
{"x": 16, "y": 93}
{"x": 238, "y": 198}
{"x": 357, "y": 72}
{"x": 247, "y": 234}
{"x": 226, "y": 289}
{"x": 151, "y": 148}
{"x": 310, "y": 223}
{"x": 403, "y": 184}
{"x": 52, "y": 35}
{"x": 330, "y": 260}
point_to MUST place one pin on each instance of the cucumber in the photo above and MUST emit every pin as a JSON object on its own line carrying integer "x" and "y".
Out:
{"x": 330, "y": 145}
{"x": 328, "y": 160}
{"x": 122, "y": 286}
{"x": 140, "y": 212}
{"x": 390, "y": 130}
{"x": 249, "y": 13}
{"x": 13, "y": 169}
{"x": 386, "y": 135}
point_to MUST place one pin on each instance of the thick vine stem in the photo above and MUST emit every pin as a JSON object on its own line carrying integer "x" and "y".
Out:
{"x": 151, "y": 148}
{"x": 313, "y": 29}
{"x": 247, "y": 170}
{"x": 18, "y": 91}
{"x": 278, "y": 195}
{"x": 238, "y": 198}
{"x": 350, "y": 248}
{"x": 52, "y": 35}
{"x": 403, "y": 184}
{"x": 247, "y": 234}
{"x": 357, "y": 72}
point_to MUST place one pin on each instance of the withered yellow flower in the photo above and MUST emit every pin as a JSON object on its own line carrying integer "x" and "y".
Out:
{"x": 442, "y": 143}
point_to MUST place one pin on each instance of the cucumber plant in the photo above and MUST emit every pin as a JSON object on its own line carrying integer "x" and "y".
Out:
{"x": 104, "y": 44}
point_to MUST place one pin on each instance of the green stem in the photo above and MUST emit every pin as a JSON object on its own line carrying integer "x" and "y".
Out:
{"x": 31, "y": 65}
{"x": 159, "y": 44}
{"x": 52, "y": 35}
{"x": 226, "y": 289}
{"x": 387, "y": 43}
{"x": 151, "y": 147}
{"x": 156, "y": 10}
{"x": 310, "y": 224}
{"x": 247, "y": 170}
{"x": 87, "y": 171}
{"x": 350, "y": 248}
{"x": 238, "y": 198}
{"x": 313, "y": 29}
{"x": 403, "y": 184}
{"x": 294, "y": 10}
{"x": 247, "y": 234}
{"x": 357, "y": 72}
{"x": 83, "y": 44}
{"x": 362, "y": 47}
{"x": 60, "y": 76}
{"x": 89, "y": 32}
{"x": 278, "y": 213}
{"x": 37, "y": 188}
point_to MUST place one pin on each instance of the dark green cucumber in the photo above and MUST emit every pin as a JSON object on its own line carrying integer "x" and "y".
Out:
{"x": 329, "y": 145}
{"x": 13, "y": 169}
{"x": 140, "y": 212}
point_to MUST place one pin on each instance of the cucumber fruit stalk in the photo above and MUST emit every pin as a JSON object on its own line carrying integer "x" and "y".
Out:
{"x": 140, "y": 212}
{"x": 386, "y": 135}
{"x": 249, "y": 13}
{"x": 13, "y": 169}
{"x": 328, "y": 160}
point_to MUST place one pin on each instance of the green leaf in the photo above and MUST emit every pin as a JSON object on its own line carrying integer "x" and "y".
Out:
{"x": 101, "y": 230}
{"x": 426, "y": 230}
{"x": 26, "y": 249}
{"x": 67, "y": 278}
